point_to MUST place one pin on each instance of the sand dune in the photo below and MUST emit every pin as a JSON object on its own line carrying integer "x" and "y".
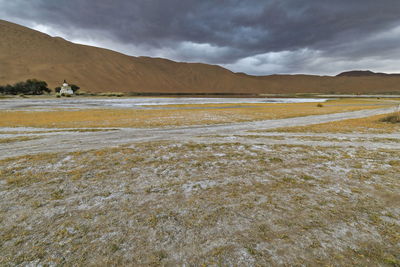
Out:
{"x": 26, "y": 53}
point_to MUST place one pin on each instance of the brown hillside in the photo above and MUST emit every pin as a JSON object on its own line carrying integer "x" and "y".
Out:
{"x": 26, "y": 53}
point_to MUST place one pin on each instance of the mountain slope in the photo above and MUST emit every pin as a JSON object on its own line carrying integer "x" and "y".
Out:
{"x": 26, "y": 53}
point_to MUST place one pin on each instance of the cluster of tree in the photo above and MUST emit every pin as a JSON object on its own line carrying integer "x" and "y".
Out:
{"x": 30, "y": 87}
{"x": 74, "y": 88}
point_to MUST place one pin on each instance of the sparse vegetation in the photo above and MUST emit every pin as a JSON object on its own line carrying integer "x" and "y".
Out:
{"x": 174, "y": 117}
{"x": 169, "y": 203}
{"x": 111, "y": 94}
{"x": 373, "y": 124}
{"x": 207, "y": 200}
{"x": 392, "y": 118}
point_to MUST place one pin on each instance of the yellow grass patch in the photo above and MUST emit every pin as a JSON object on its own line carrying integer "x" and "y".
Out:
{"x": 363, "y": 125}
{"x": 174, "y": 117}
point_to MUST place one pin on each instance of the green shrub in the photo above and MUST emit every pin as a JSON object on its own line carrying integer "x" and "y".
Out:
{"x": 111, "y": 94}
{"x": 277, "y": 160}
{"x": 392, "y": 118}
{"x": 81, "y": 93}
{"x": 74, "y": 87}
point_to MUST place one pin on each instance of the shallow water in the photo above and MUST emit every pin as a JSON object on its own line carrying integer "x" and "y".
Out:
{"x": 136, "y": 103}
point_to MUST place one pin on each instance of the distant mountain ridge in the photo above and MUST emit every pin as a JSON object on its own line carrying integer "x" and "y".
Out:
{"x": 26, "y": 53}
{"x": 364, "y": 73}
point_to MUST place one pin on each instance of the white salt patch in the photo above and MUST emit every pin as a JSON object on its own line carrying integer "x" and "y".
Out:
{"x": 195, "y": 186}
{"x": 138, "y": 102}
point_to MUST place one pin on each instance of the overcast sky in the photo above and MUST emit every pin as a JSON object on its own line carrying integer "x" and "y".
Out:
{"x": 252, "y": 36}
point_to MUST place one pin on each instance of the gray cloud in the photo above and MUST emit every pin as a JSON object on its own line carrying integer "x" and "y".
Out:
{"x": 255, "y": 36}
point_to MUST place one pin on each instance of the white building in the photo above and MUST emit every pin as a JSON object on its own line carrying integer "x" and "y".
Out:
{"x": 66, "y": 89}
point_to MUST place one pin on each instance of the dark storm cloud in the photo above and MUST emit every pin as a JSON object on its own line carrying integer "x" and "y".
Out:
{"x": 232, "y": 29}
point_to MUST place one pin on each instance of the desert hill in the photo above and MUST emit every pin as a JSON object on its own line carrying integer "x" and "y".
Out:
{"x": 26, "y": 53}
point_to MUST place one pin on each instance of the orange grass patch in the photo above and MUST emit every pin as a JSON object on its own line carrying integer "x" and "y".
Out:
{"x": 371, "y": 124}
{"x": 173, "y": 117}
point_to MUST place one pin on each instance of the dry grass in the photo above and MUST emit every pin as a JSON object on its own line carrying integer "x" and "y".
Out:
{"x": 392, "y": 118}
{"x": 212, "y": 204}
{"x": 158, "y": 118}
{"x": 166, "y": 203}
{"x": 373, "y": 124}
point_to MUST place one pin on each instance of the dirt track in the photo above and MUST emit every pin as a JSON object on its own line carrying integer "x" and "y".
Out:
{"x": 65, "y": 141}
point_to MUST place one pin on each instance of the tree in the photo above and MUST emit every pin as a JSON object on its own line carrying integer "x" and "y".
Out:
{"x": 36, "y": 87}
{"x": 74, "y": 87}
{"x": 29, "y": 87}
